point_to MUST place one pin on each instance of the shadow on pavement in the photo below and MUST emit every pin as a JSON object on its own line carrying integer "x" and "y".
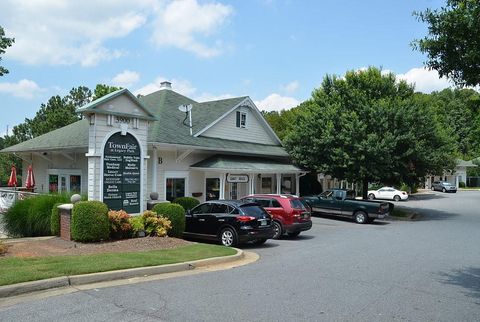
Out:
{"x": 468, "y": 278}
{"x": 426, "y": 196}
{"x": 268, "y": 244}
{"x": 424, "y": 214}
{"x": 347, "y": 219}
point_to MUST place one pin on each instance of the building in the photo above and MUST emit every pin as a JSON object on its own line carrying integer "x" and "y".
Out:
{"x": 458, "y": 175}
{"x": 126, "y": 147}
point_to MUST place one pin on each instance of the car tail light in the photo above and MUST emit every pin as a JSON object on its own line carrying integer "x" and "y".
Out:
{"x": 245, "y": 218}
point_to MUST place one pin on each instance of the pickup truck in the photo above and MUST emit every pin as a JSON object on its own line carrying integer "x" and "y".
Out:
{"x": 341, "y": 202}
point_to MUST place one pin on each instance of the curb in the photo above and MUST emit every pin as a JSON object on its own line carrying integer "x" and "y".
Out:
{"x": 65, "y": 281}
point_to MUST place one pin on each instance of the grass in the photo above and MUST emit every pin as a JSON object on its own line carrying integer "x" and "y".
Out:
{"x": 17, "y": 270}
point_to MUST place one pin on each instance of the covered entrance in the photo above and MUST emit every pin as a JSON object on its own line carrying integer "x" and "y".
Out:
{"x": 233, "y": 177}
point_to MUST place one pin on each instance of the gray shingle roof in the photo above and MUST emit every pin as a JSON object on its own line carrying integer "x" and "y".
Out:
{"x": 72, "y": 136}
{"x": 245, "y": 163}
{"x": 169, "y": 129}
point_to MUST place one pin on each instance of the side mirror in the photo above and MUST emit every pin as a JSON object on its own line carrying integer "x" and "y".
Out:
{"x": 189, "y": 212}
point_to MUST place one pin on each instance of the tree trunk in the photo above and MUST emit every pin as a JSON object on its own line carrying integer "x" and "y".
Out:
{"x": 365, "y": 188}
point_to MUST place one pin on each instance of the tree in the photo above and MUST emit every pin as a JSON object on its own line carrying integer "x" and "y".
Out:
{"x": 4, "y": 44}
{"x": 368, "y": 127}
{"x": 453, "y": 41}
{"x": 280, "y": 122}
{"x": 102, "y": 90}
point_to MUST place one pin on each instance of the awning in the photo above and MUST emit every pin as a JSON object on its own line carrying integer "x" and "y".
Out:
{"x": 234, "y": 163}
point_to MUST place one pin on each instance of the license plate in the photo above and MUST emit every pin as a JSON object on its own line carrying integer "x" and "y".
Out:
{"x": 263, "y": 222}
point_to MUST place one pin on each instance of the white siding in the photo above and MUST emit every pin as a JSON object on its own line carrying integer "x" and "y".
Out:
{"x": 254, "y": 132}
{"x": 122, "y": 104}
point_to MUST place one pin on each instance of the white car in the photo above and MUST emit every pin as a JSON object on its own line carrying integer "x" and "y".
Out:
{"x": 387, "y": 193}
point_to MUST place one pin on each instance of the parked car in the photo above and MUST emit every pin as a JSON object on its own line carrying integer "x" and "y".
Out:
{"x": 388, "y": 193}
{"x": 444, "y": 186}
{"x": 288, "y": 212}
{"x": 231, "y": 222}
{"x": 341, "y": 202}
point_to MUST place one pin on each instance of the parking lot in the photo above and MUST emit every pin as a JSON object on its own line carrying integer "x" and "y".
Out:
{"x": 424, "y": 270}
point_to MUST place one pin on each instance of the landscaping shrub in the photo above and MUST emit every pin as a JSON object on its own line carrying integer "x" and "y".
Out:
{"x": 137, "y": 225}
{"x": 55, "y": 220}
{"x": 176, "y": 214}
{"x": 3, "y": 248}
{"x": 90, "y": 221}
{"x": 120, "y": 226}
{"x": 32, "y": 216}
{"x": 154, "y": 224}
{"x": 461, "y": 184}
{"x": 186, "y": 202}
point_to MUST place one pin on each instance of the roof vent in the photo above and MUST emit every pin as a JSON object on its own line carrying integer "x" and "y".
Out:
{"x": 165, "y": 85}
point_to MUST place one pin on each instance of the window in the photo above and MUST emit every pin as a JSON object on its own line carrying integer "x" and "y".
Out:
{"x": 175, "y": 188}
{"x": 263, "y": 202}
{"x": 276, "y": 204}
{"x": 202, "y": 209}
{"x": 53, "y": 183}
{"x": 64, "y": 180}
{"x": 212, "y": 189}
{"x": 219, "y": 209}
{"x": 241, "y": 119}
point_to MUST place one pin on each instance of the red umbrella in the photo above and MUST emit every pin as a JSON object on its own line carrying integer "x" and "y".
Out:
{"x": 12, "y": 182}
{"x": 30, "y": 182}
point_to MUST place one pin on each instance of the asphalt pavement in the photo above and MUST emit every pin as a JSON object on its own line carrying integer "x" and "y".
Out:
{"x": 423, "y": 270}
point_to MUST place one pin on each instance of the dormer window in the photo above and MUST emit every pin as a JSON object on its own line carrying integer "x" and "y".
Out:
{"x": 241, "y": 119}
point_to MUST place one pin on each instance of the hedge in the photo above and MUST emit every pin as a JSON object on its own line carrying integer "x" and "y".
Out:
{"x": 31, "y": 217}
{"x": 186, "y": 202}
{"x": 176, "y": 214}
{"x": 90, "y": 221}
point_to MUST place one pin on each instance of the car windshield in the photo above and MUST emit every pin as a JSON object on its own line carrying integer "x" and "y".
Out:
{"x": 447, "y": 184}
{"x": 296, "y": 204}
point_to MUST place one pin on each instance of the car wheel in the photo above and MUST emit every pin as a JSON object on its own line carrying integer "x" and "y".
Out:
{"x": 259, "y": 241}
{"x": 294, "y": 234}
{"x": 228, "y": 237}
{"x": 360, "y": 217}
{"x": 277, "y": 227}
{"x": 397, "y": 198}
{"x": 371, "y": 196}
{"x": 444, "y": 190}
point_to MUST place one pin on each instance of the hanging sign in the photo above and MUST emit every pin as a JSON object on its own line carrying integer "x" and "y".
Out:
{"x": 237, "y": 178}
{"x": 121, "y": 173}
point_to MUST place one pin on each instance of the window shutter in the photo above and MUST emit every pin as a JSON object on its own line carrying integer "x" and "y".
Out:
{"x": 238, "y": 118}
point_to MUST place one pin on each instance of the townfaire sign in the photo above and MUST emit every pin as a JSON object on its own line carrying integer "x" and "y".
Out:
{"x": 237, "y": 178}
{"x": 121, "y": 173}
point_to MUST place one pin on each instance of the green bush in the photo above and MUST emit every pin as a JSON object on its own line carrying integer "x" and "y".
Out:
{"x": 90, "y": 221}
{"x": 176, "y": 214}
{"x": 137, "y": 225}
{"x": 32, "y": 216}
{"x": 55, "y": 220}
{"x": 186, "y": 202}
{"x": 461, "y": 184}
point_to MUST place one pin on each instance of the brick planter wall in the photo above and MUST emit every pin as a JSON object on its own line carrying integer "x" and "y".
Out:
{"x": 65, "y": 212}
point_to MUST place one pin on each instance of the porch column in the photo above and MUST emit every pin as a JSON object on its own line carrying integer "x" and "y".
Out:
{"x": 279, "y": 183}
{"x": 251, "y": 186}
{"x": 154, "y": 169}
{"x": 297, "y": 184}
{"x": 222, "y": 186}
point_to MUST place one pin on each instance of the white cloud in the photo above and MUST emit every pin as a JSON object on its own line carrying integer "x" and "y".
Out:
{"x": 291, "y": 87}
{"x": 181, "y": 23}
{"x": 24, "y": 88}
{"x": 126, "y": 78}
{"x": 181, "y": 86}
{"x": 276, "y": 102}
{"x": 69, "y": 32}
{"x": 425, "y": 80}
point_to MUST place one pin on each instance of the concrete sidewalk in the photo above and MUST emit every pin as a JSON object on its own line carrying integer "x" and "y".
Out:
{"x": 65, "y": 281}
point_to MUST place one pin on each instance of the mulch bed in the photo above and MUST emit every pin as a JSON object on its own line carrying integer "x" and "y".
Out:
{"x": 59, "y": 247}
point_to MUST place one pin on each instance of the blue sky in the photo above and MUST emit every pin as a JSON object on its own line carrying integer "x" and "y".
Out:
{"x": 275, "y": 51}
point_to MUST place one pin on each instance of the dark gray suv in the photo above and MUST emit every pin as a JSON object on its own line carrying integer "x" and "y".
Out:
{"x": 444, "y": 186}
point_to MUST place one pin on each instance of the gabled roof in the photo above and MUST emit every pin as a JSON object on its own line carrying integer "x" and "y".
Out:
{"x": 93, "y": 106}
{"x": 168, "y": 129}
{"x": 463, "y": 163}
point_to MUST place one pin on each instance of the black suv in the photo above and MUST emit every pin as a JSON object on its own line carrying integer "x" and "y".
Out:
{"x": 229, "y": 221}
{"x": 444, "y": 186}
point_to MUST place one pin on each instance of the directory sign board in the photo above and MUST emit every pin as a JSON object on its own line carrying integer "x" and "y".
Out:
{"x": 121, "y": 173}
